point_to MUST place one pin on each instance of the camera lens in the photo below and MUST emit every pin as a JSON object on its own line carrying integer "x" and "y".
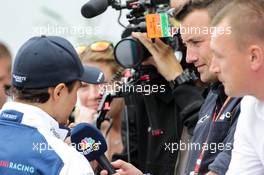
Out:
{"x": 129, "y": 52}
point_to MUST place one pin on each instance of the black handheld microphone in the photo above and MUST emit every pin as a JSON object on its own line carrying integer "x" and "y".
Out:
{"x": 94, "y": 7}
{"x": 90, "y": 142}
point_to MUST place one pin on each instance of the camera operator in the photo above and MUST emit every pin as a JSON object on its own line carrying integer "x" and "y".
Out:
{"x": 171, "y": 111}
{"x": 239, "y": 63}
{"x": 208, "y": 129}
{"x": 214, "y": 127}
{"x": 168, "y": 113}
{"x": 46, "y": 75}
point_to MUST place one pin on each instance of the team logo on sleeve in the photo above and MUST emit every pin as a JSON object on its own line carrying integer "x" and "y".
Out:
{"x": 24, "y": 169}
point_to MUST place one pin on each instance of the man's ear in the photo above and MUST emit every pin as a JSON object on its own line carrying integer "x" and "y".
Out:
{"x": 256, "y": 56}
{"x": 57, "y": 91}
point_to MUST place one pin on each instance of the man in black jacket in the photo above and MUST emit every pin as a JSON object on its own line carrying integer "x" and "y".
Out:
{"x": 212, "y": 142}
{"x": 159, "y": 120}
{"x": 210, "y": 151}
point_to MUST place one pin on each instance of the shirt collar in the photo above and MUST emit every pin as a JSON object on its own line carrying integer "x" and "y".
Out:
{"x": 36, "y": 117}
{"x": 218, "y": 89}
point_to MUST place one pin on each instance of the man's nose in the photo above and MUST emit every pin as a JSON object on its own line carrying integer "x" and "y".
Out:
{"x": 214, "y": 66}
{"x": 191, "y": 56}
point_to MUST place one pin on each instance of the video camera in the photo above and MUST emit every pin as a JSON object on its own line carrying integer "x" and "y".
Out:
{"x": 151, "y": 16}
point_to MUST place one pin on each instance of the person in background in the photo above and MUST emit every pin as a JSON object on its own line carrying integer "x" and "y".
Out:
{"x": 219, "y": 113}
{"x": 100, "y": 54}
{"x": 5, "y": 72}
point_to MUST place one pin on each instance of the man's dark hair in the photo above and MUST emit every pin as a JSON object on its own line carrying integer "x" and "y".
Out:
{"x": 212, "y": 6}
{"x": 34, "y": 95}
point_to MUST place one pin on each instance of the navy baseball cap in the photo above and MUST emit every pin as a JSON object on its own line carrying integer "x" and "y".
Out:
{"x": 46, "y": 61}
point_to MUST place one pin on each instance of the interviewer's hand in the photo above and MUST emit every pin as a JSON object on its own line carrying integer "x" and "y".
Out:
{"x": 123, "y": 168}
{"x": 163, "y": 56}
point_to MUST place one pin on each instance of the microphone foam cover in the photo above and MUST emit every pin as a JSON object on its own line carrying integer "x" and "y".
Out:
{"x": 88, "y": 140}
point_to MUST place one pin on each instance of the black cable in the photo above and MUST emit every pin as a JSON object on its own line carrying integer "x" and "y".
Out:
{"x": 119, "y": 17}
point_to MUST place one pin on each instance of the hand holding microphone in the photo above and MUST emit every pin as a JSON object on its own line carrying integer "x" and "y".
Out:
{"x": 124, "y": 168}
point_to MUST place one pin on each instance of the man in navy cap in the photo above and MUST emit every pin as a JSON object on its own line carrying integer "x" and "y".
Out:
{"x": 46, "y": 76}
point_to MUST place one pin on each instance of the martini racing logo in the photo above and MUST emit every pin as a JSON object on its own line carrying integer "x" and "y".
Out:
{"x": 89, "y": 145}
{"x": 17, "y": 166}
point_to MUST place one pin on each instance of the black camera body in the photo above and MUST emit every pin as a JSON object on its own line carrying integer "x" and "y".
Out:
{"x": 129, "y": 52}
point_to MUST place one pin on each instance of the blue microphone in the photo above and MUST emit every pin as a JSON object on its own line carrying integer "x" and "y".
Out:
{"x": 90, "y": 142}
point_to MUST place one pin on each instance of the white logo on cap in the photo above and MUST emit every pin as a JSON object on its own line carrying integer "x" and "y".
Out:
{"x": 100, "y": 77}
{"x": 19, "y": 79}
